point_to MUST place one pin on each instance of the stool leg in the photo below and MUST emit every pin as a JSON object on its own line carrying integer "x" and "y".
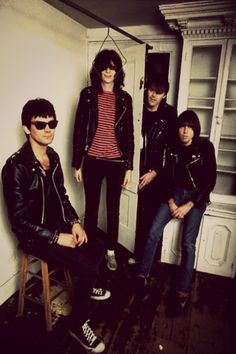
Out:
{"x": 69, "y": 282}
{"x": 46, "y": 295}
{"x": 22, "y": 285}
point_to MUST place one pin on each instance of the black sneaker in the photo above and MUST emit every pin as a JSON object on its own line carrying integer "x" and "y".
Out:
{"x": 100, "y": 294}
{"x": 142, "y": 288}
{"x": 88, "y": 339}
{"x": 183, "y": 301}
{"x": 132, "y": 261}
{"x": 177, "y": 305}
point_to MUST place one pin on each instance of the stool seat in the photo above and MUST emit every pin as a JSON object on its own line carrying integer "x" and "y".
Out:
{"x": 46, "y": 276}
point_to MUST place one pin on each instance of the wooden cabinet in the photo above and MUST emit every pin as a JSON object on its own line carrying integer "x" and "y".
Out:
{"x": 216, "y": 252}
{"x": 216, "y": 242}
{"x": 207, "y": 85}
{"x": 171, "y": 242}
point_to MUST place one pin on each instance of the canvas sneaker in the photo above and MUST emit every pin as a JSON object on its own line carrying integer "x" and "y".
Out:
{"x": 183, "y": 301}
{"x": 100, "y": 294}
{"x": 178, "y": 305}
{"x": 142, "y": 288}
{"x": 132, "y": 261}
{"x": 88, "y": 339}
{"x": 111, "y": 262}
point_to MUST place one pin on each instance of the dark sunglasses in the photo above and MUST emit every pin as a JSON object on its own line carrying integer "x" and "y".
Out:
{"x": 42, "y": 125}
{"x": 110, "y": 66}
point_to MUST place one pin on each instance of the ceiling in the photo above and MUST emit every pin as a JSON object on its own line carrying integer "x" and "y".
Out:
{"x": 120, "y": 13}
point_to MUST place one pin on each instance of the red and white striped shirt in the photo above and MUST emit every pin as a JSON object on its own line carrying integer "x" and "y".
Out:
{"x": 104, "y": 143}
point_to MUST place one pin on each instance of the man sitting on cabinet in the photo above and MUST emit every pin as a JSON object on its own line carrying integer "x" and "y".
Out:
{"x": 190, "y": 176}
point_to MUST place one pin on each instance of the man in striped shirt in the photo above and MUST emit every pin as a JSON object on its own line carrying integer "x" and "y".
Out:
{"x": 103, "y": 145}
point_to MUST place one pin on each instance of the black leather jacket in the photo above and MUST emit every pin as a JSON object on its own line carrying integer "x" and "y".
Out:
{"x": 86, "y": 125}
{"x": 201, "y": 169}
{"x": 25, "y": 194}
{"x": 158, "y": 129}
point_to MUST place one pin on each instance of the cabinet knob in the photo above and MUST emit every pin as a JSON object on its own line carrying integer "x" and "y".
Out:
{"x": 218, "y": 120}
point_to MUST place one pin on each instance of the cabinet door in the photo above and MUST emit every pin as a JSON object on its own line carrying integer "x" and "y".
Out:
{"x": 200, "y": 81}
{"x": 171, "y": 242}
{"x": 204, "y": 84}
{"x": 225, "y": 128}
{"x": 208, "y": 87}
{"x": 217, "y": 247}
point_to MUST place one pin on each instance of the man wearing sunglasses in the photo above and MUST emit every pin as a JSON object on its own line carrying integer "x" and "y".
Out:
{"x": 43, "y": 219}
{"x": 103, "y": 145}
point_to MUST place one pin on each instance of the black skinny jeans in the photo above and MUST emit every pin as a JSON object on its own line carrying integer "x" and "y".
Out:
{"x": 84, "y": 262}
{"x": 94, "y": 171}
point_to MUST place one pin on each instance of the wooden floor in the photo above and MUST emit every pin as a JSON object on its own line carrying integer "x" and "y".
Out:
{"x": 129, "y": 326}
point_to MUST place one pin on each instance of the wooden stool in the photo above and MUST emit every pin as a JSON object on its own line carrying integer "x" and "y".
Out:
{"x": 46, "y": 278}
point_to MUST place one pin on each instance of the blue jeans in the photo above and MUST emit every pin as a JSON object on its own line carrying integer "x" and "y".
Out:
{"x": 191, "y": 224}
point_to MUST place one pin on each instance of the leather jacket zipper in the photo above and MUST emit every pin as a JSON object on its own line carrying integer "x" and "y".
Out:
{"x": 150, "y": 136}
{"x": 87, "y": 132}
{"x": 115, "y": 128}
{"x": 190, "y": 175}
{"x": 43, "y": 197}
{"x": 54, "y": 184}
{"x": 120, "y": 116}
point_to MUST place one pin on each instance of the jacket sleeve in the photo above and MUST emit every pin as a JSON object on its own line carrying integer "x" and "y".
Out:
{"x": 14, "y": 179}
{"x": 70, "y": 213}
{"x": 129, "y": 134}
{"x": 209, "y": 172}
{"x": 80, "y": 131}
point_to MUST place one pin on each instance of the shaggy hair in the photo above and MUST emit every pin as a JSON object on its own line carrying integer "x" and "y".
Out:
{"x": 101, "y": 62}
{"x": 38, "y": 107}
{"x": 189, "y": 118}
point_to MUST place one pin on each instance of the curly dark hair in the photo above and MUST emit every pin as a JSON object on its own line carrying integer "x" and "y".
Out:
{"x": 102, "y": 60}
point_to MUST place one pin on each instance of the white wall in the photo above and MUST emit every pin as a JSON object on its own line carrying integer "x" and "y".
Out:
{"x": 43, "y": 54}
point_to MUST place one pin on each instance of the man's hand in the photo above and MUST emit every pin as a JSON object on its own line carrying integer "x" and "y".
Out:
{"x": 75, "y": 239}
{"x": 172, "y": 205}
{"x": 79, "y": 234}
{"x": 146, "y": 179}
{"x": 66, "y": 240}
{"x": 77, "y": 175}
{"x": 181, "y": 211}
{"x": 127, "y": 178}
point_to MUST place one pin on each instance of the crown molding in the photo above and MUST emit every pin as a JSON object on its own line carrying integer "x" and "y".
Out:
{"x": 203, "y": 18}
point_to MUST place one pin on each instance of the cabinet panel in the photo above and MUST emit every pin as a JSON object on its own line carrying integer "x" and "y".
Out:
{"x": 171, "y": 243}
{"x": 204, "y": 69}
{"x": 226, "y": 127}
{"x": 210, "y": 90}
{"x": 217, "y": 246}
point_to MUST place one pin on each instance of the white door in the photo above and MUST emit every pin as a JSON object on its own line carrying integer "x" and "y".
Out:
{"x": 134, "y": 77}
